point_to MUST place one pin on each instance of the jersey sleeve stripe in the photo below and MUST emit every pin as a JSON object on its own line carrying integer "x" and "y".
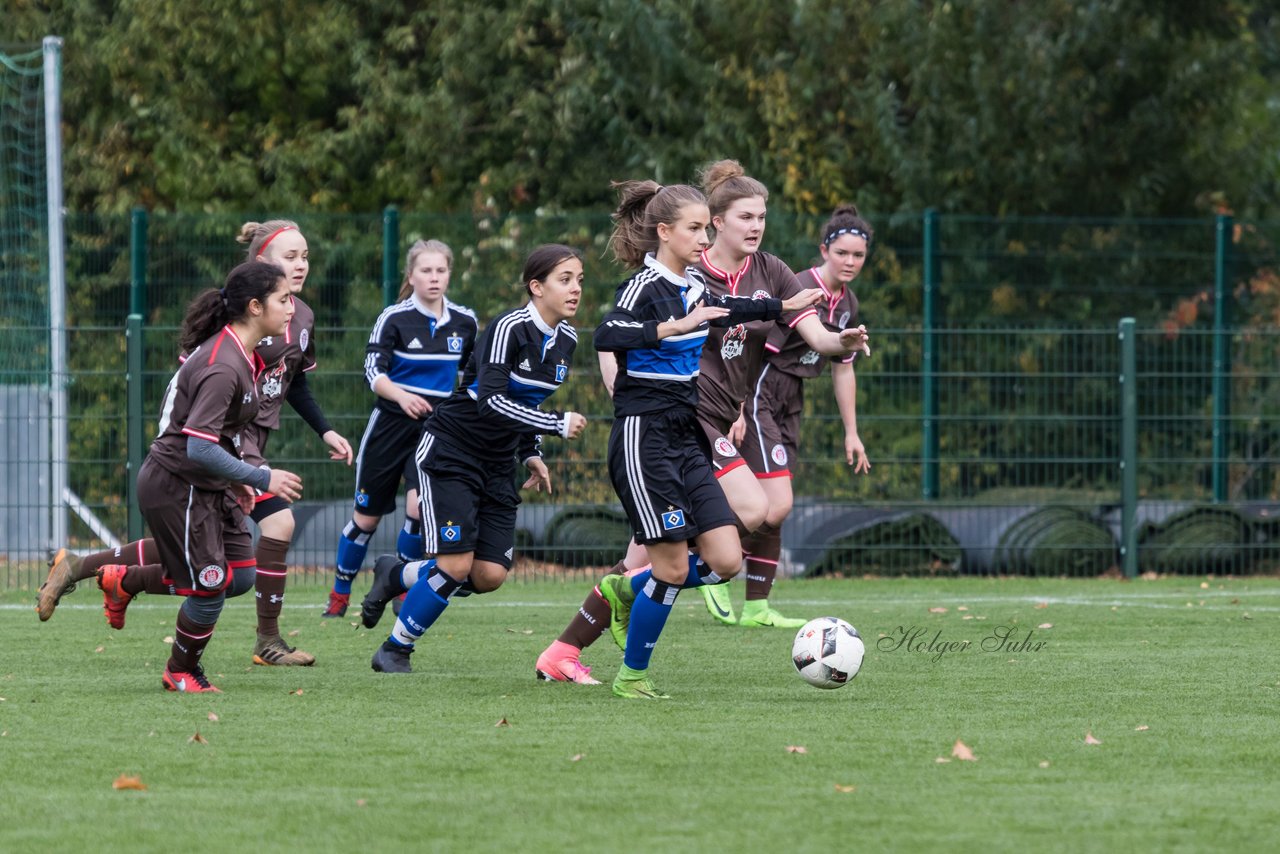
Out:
{"x": 199, "y": 435}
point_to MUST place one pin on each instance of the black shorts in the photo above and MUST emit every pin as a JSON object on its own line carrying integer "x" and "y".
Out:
{"x": 468, "y": 504}
{"x": 201, "y": 535}
{"x": 773, "y": 423}
{"x": 386, "y": 456}
{"x": 660, "y": 466}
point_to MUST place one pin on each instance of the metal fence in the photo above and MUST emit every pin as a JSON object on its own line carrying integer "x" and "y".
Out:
{"x": 1015, "y": 424}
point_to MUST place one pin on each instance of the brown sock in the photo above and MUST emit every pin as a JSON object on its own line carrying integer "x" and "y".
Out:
{"x": 139, "y": 553}
{"x": 592, "y": 618}
{"x": 146, "y": 579}
{"x": 762, "y": 551}
{"x": 269, "y": 584}
{"x": 189, "y": 640}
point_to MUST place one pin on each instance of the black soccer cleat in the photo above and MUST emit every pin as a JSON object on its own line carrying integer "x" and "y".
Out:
{"x": 386, "y": 586}
{"x": 394, "y": 660}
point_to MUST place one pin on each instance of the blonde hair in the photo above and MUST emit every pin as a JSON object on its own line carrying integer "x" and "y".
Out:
{"x": 725, "y": 182}
{"x": 642, "y": 205}
{"x": 256, "y": 234}
{"x": 421, "y": 247}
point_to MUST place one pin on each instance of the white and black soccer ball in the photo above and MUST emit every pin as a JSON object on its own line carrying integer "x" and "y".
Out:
{"x": 827, "y": 652}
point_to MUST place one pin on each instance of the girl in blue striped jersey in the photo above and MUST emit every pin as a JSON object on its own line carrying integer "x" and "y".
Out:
{"x": 659, "y": 460}
{"x": 470, "y": 445}
{"x": 416, "y": 349}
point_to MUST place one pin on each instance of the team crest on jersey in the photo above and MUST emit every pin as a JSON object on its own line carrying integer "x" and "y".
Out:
{"x": 779, "y": 455}
{"x": 735, "y": 340}
{"x": 562, "y": 371}
{"x": 455, "y": 343}
{"x": 303, "y": 337}
{"x": 672, "y": 519}
{"x": 810, "y": 358}
{"x": 450, "y": 533}
{"x": 725, "y": 448}
{"x": 212, "y": 576}
{"x": 273, "y": 385}
{"x": 760, "y": 294}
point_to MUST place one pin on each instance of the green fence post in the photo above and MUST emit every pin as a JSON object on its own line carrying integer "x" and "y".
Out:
{"x": 1128, "y": 447}
{"x": 390, "y": 253}
{"x": 1222, "y": 357}
{"x": 135, "y": 438}
{"x": 929, "y": 388}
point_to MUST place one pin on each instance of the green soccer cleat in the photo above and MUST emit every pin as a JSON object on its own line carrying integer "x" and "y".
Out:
{"x": 616, "y": 590}
{"x": 636, "y": 685}
{"x": 719, "y": 602}
{"x": 758, "y": 614}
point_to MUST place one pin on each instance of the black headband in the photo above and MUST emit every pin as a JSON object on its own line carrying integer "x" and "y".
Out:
{"x": 857, "y": 232}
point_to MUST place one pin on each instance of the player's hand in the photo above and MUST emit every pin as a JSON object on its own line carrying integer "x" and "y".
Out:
{"x": 339, "y": 448}
{"x": 703, "y": 313}
{"x": 246, "y": 496}
{"x": 738, "y": 431}
{"x": 856, "y": 455}
{"x": 575, "y": 424}
{"x": 855, "y": 340}
{"x": 539, "y": 477}
{"x": 804, "y": 299}
{"x": 285, "y": 484}
{"x": 414, "y": 406}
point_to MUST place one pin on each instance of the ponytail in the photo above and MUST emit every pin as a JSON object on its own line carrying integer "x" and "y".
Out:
{"x": 215, "y": 308}
{"x": 642, "y": 205}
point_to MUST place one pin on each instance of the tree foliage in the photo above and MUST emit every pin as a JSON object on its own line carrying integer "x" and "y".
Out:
{"x": 1066, "y": 107}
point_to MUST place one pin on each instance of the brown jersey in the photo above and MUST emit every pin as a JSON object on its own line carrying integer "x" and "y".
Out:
{"x": 732, "y": 357}
{"x": 790, "y": 353}
{"x": 285, "y": 357}
{"x": 213, "y": 394}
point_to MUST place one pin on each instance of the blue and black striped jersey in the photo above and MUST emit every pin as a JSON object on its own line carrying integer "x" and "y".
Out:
{"x": 519, "y": 362}
{"x": 418, "y": 351}
{"x": 656, "y": 375}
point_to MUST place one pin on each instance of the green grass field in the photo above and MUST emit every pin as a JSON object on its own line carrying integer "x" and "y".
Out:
{"x": 1178, "y": 679}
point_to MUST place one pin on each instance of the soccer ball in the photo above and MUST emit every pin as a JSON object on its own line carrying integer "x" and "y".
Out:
{"x": 827, "y": 652}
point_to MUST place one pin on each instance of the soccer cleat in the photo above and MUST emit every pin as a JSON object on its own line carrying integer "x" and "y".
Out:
{"x": 61, "y": 580}
{"x": 114, "y": 597}
{"x": 565, "y": 669}
{"x": 616, "y": 590}
{"x": 274, "y": 651}
{"x": 337, "y": 606}
{"x": 720, "y": 603}
{"x": 394, "y": 660}
{"x": 757, "y": 613}
{"x": 187, "y": 681}
{"x": 636, "y": 687}
{"x": 386, "y": 587}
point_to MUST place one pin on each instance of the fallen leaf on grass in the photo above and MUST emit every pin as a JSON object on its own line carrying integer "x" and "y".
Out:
{"x": 1142, "y": 728}
{"x": 502, "y": 722}
{"x": 298, "y": 692}
{"x": 845, "y": 789}
{"x": 1235, "y": 601}
{"x": 124, "y": 781}
{"x": 1044, "y": 763}
{"x": 1246, "y": 617}
{"x": 1045, "y": 626}
{"x": 167, "y": 639}
{"x": 100, "y": 649}
{"x": 961, "y": 751}
{"x": 361, "y": 802}
{"x": 967, "y": 617}
{"x": 795, "y": 748}
{"x": 1089, "y": 739}
{"x": 1204, "y": 585}
{"x": 1041, "y": 605}
{"x": 963, "y": 608}
{"x": 577, "y": 757}
{"x": 293, "y": 634}
{"x": 213, "y": 717}
{"x": 938, "y": 610}
{"x": 942, "y": 760}
{"x": 198, "y": 739}
{"x": 520, "y": 631}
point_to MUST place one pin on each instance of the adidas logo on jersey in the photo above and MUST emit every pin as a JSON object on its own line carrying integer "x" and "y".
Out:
{"x": 524, "y": 364}
{"x": 415, "y": 344}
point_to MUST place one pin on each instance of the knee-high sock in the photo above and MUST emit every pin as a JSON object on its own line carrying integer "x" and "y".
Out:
{"x": 409, "y": 542}
{"x": 269, "y": 584}
{"x": 763, "y": 550}
{"x": 699, "y": 574}
{"x": 137, "y": 553}
{"x": 189, "y": 640}
{"x": 353, "y": 544}
{"x": 146, "y": 579}
{"x": 592, "y": 617}
{"x": 422, "y": 607}
{"x": 648, "y": 616}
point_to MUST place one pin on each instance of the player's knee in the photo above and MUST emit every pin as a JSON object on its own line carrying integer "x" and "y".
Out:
{"x": 487, "y": 577}
{"x": 752, "y": 516}
{"x": 724, "y": 562}
{"x": 278, "y": 526}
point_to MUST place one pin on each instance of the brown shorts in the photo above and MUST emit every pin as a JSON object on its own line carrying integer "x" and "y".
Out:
{"x": 773, "y": 423}
{"x": 201, "y": 535}
{"x": 724, "y": 455}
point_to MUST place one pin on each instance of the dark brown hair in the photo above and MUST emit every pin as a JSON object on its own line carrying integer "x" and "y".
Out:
{"x": 543, "y": 260}
{"x": 846, "y": 220}
{"x": 725, "y": 182}
{"x": 214, "y": 308}
{"x": 641, "y": 206}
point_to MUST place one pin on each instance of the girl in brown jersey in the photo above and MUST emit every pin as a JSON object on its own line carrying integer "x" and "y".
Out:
{"x": 194, "y": 486}
{"x": 734, "y": 357}
{"x": 772, "y": 412}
